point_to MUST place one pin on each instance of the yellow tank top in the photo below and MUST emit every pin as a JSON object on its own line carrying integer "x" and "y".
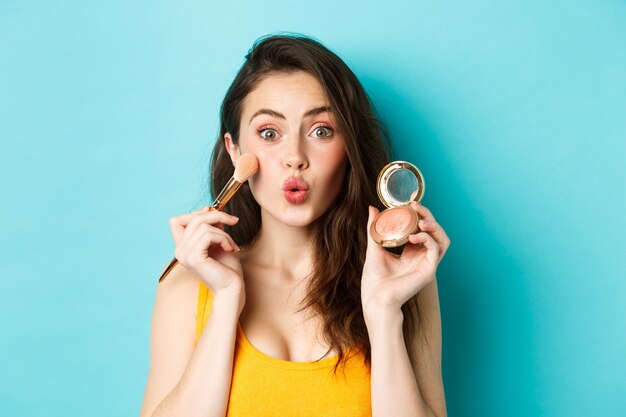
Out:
{"x": 265, "y": 386}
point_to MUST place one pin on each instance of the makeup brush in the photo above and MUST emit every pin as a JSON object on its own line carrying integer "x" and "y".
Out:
{"x": 246, "y": 167}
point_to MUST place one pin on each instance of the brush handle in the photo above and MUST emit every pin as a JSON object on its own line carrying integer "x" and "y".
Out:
{"x": 168, "y": 269}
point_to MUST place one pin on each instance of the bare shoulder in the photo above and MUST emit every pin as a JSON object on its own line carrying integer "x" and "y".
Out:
{"x": 172, "y": 334}
{"x": 426, "y": 349}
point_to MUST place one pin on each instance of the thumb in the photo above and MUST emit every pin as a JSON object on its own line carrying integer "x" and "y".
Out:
{"x": 372, "y": 213}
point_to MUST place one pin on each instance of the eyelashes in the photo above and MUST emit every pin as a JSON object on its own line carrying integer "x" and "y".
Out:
{"x": 269, "y": 129}
{"x": 328, "y": 128}
{"x": 261, "y": 131}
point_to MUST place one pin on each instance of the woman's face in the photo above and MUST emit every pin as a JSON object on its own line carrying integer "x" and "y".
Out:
{"x": 286, "y": 124}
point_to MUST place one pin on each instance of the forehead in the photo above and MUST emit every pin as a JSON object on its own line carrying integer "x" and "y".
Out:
{"x": 284, "y": 92}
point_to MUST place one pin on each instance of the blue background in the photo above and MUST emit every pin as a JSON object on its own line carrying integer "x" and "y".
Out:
{"x": 515, "y": 112}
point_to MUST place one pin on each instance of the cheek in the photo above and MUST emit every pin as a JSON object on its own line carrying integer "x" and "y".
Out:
{"x": 333, "y": 161}
{"x": 263, "y": 176}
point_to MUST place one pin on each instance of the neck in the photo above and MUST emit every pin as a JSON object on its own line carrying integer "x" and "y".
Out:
{"x": 282, "y": 247}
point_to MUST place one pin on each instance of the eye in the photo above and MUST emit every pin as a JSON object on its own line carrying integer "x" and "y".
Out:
{"x": 327, "y": 131}
{"x": 267, "y": 133}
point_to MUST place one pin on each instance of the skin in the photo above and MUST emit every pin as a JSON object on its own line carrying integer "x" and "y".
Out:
{"x": 275, "y": 270}
{"x": 298, "y": 146}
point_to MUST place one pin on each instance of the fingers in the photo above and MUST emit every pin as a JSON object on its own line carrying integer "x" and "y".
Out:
{"x": 216, "y": 236}
{"x": 428, "y": 224}
{"x": 195, "y": 259}
{"x": 200, "y": 235}
{"x": 423, "y": 212}
{"x": 195, "y": 249}
{"x": 432, "y": 247}
{"x": 214, "y": 218}
{"x": 178, "y": 223}
{"x": 182, "y": 226}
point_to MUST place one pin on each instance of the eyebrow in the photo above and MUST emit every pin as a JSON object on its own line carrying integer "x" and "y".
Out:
{"x": 313, "y": 112}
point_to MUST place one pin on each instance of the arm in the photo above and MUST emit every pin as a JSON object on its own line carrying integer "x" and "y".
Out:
{"x": 183, "y": 380}
{"x": 399, "y": 387}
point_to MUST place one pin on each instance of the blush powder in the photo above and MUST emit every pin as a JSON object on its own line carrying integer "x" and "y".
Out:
{"x": 393, "y": 222}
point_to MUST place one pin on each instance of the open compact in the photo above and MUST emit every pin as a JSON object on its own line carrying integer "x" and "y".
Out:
{"x": 399, "y": 183}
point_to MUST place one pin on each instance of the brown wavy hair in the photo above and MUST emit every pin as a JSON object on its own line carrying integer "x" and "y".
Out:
{"x": 334, "y": 286}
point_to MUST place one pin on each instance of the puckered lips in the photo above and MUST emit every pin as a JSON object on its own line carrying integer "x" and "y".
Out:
{"x": 295, "y": 190}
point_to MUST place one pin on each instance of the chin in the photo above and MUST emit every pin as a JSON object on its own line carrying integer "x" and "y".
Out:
{"x": 297, "y": 216}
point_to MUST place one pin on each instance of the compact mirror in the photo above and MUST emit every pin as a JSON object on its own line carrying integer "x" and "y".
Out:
{"x": 399, "y": 183}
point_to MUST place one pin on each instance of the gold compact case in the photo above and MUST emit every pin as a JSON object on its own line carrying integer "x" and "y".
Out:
{"x": 399, "y": 183}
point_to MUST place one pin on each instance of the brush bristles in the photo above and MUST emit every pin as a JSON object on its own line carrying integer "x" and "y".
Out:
{"x": 246, "y": 167}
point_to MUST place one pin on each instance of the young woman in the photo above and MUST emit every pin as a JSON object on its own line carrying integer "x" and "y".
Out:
{"x": 275, "y": 292}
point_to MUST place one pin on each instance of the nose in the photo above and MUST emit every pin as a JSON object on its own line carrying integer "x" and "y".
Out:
{"x": 294, "y": 156}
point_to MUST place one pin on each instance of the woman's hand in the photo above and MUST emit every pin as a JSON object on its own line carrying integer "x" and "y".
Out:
{"x": 389, "y": 280}
{"x": 205, "y": 248}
